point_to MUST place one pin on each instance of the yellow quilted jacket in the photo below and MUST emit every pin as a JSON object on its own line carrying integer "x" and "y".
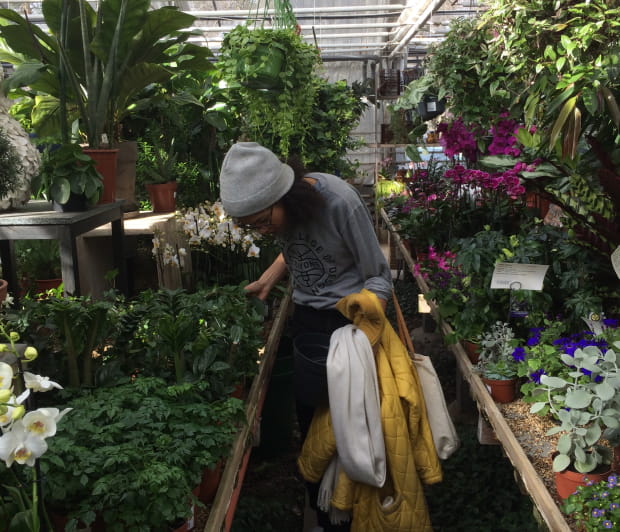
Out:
{"x": 411, "y": 457}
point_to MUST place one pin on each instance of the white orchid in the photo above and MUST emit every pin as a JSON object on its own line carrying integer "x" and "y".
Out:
{"x": 21, "y": 446}
{"x": 14, "y": 409}
{"x": 42, "y": 421}
{"x": 37, "y": 383}
{"x": 6, "y": 376}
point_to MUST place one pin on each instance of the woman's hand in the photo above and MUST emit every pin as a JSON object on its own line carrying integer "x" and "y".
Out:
{"x": 270, "y": 277}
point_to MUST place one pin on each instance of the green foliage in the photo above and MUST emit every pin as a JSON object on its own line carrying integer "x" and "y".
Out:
{"x": 210, "y": 336}
{"x": 71, "y": 334}
{"x": 66, "y": 170}
{"x": 132, "y": 453}
{"x": 92, "y": 63}
{"x": 587, "y": 404}
{"x": 595, "y": 506}
{"x": 496, "y": 347}
{"x": 10, "y": 165}
{"x": 37, "y": 259}
{"x": 271, "y": 117}
{"x": 336, "y": 112}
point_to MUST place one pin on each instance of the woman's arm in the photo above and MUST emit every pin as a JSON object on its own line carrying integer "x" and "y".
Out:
{"x": 270, "y": 277}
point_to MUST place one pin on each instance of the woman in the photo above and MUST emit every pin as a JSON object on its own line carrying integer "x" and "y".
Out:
{"x": 328, "y": 242}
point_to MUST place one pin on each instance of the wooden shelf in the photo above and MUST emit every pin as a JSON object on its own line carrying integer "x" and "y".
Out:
{"x": 533, "y": 484}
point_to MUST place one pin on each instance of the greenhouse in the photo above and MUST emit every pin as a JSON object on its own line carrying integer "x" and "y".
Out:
{"x": 363, "y": 258}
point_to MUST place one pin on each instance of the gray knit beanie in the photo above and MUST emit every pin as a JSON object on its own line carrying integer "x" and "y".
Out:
{"x": 252, "y": 179}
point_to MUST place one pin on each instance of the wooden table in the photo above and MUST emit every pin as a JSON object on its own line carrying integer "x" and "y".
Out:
{"x": 544, "y": 504}
{"x": 38, "y": 221}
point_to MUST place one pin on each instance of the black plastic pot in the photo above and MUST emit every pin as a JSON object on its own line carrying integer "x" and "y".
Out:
{"x": 430, "y": 107}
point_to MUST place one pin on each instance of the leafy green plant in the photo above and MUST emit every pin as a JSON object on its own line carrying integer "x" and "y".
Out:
{"x": 67, "y": 170}
{"x": 587, "y": 404}
{"x": 210, "y": 336}
{"x": 496, "y": 348}
{"x": 71, "y": 333}
{"x": 272, "y": 117}
{"x": 93, "y": 62}
{"x": 37, "y": 259}
{"x": 595, "y": 506}
{"x": 337, "y": 110}
{"x": 10, "y": 165}
{"x": 135, "y": 452}
{"x": 156, "y": 164}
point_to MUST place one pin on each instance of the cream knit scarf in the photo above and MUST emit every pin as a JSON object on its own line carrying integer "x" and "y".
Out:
{"x": 355, "y": 411}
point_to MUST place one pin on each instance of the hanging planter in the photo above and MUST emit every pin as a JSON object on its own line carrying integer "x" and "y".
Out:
{"x": 430, "y": 107}
{"x": 261, "y": 69}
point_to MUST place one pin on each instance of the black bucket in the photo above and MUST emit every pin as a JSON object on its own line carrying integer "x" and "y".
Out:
{"x": 310, "y": 368}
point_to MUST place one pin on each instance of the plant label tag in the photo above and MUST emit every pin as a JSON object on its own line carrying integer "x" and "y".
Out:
{"x": 514, "y": 276}
{"x": 615, "y": 261}
{"x": 423, "y": 307}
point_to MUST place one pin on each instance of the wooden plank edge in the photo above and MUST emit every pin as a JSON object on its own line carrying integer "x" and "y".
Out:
{"x": 533, "y": 484}
{"x": 227, "y": 496}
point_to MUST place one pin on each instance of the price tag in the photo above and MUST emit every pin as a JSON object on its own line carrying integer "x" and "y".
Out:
{"x": 514, "y": 276}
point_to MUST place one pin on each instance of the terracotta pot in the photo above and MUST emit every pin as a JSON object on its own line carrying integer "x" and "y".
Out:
{"x": 163, "y": 196}
{"x": 105, "y": 162}
{"x": 43, "y": 285}
{"x": 210, "y": 483}
{"x": 567, "y": 481}
{"x": 502, "y": 391}
{"x": 473, "y": 350}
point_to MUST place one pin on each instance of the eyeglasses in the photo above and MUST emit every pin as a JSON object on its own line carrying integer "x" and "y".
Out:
{"x": 263, "y": 222}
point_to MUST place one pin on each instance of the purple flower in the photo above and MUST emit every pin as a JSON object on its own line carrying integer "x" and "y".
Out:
{"x": 536, "y": 375}
{"x": 519, "y": 354}
{"x": 608, "y": 524}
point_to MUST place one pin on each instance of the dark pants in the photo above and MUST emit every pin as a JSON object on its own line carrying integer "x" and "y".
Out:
{"x": 309, "y": 320}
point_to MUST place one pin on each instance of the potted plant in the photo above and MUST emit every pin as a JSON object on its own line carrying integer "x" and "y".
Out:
{"x": 92, "y": 64}
{"x": 586, "y": 404}
{"x": 38, "y": 264}
{"x": 496, "y": 364}
{"x": 159, "y": 168}
{"x": 595, "y": 505}
{"x": 271, "y": 117}
{"x": 69, "y": 178}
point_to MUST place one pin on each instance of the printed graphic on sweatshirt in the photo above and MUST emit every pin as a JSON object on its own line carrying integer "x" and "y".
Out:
{"x": 311, "y": 267}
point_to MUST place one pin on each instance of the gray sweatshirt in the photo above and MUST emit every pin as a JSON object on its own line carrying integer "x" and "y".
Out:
{"x": 338, "y": 253}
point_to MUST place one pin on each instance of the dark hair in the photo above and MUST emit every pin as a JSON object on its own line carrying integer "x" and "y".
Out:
{"x": 302, "y": 202}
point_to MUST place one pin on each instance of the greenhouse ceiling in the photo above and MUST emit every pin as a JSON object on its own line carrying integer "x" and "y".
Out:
{"x": 340, "y": 28}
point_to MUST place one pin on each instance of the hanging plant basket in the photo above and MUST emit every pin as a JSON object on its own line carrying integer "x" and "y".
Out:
{"x": 262, "y": 69}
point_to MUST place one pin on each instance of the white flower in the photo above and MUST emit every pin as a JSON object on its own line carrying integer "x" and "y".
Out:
{"x": 37, "y": 383}
{"x": 21, "y": 446}
{"x": 254, "y": 251}
{"x": 14, "y": 409}
{"x": 42, "y": 422}
{"x": 8, "y": 301}
{"x": 6, "y": 376}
